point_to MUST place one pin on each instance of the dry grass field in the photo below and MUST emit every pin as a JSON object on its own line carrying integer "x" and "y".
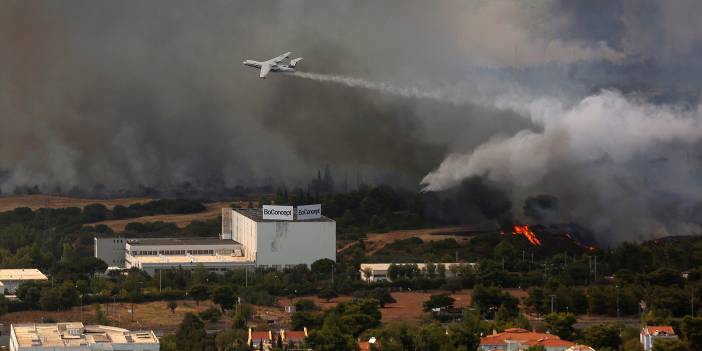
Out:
{"x": 213, "y": 210}
{"x": 42, "y": 201}
{"x": 34, "y": 202}
{"x": 150, "y": 315}
{"x": 375, "y": 242}
{"x": 409, "y": 303}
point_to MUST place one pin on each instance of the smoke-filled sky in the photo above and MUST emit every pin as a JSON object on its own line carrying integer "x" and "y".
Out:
{"x": 595, "y": 103}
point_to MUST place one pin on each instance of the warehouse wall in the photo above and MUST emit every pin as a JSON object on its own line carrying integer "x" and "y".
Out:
{"x": 111, "y": 250}
{"x": 291, "y": 243}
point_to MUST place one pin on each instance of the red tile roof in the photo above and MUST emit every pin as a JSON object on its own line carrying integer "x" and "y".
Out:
{"x": 549, "y": 343}
{"x": 524, "y": 337}
{"x": 580, "y": 348}
{"x": 295, "y": 335}
{"x": 363, "y": 346}
{"x": 653, "y": 330}
{"x": 260, "y": 335}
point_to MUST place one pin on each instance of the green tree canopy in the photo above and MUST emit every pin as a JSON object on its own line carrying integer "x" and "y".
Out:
{"x": 331, "y": 337}
{"x": 561, "y": 324}
{"x": 327, "y": 294}
{"x": 191, "y": 334}
{"x": 224, "y": 297}
{"x": 670, "y": 345}
{"x": 439, "y": 301}
{"x": 603, "y": 335}
{"x": 691, "y": 328}
{"x": 199, "y": 293}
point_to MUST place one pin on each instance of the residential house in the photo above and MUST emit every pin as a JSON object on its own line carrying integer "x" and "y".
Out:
{"x": 649, "y": 334}
{"x": 10, "y": 279}
{"x": 517, "y": 339}
{"x": 294, "y": 337}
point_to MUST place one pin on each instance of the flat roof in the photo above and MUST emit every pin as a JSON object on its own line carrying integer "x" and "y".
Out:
{"x": 256, "y": 214}
{"x": 182, "y": 241}
{"x": 386, "y": 266}
{"x": 188, "y": 259}
{"x": 21, "y": 274}
{"x": 75, "y": 334}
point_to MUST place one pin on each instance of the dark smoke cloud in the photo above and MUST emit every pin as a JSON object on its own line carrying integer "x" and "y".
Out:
{"x": 154, "y": 93}
{"x": 573, "y": 99}
{"x": 542, "y": 208}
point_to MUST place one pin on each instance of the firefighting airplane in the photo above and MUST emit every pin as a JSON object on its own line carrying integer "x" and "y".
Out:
{"x": 274, "y": 65}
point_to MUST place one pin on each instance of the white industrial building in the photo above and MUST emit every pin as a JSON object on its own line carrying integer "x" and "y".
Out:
{"x": 247, "y": 239}
{"x": 10, "y": 279}
{"x": 278, "y": 243}
{"x": 111, "y": 250}
{"x": 74, "y": 336}
{"x": 153, "y": 255}
{"x": 378, "y": 272}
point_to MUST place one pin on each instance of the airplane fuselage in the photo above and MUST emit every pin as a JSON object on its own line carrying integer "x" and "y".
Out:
{"x": 274, "y": 66}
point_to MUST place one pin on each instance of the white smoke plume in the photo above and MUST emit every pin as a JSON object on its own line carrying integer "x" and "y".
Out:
{"x": 621, "y": 158}
{"x": 459, "y": 93}
{"x": 381, "y": 87}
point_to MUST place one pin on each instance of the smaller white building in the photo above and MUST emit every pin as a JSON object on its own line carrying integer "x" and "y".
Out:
{"x": 74, "y": 336}
{"x": 378, "y": 272}
{"x": 649, "y": 334}
{"x": 10, "y": 279}
{"x": 156, "y": 254}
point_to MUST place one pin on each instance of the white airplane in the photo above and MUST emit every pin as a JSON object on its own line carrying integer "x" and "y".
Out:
{"x": 274, "y": 65}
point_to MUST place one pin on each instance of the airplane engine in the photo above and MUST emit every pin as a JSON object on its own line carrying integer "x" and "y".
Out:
{"x": 294, "y": 62}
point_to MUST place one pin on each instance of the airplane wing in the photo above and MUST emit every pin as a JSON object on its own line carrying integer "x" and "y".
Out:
{"x": 265, "y": 68}
{"x": 281, "y": 57}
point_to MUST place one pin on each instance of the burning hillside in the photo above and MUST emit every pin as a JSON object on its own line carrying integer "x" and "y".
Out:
{"x": 527, "y": 233}
{"x": 570, "y": 237}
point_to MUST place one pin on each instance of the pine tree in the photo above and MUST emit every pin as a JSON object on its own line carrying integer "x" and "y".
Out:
{"x": 191, "y": 334}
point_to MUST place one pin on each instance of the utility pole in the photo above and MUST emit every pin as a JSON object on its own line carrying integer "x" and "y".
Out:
{"x": 332, "y": 273}
{"x": 553, "y": 297}
{"x": 617, "y": 287}
{"x": 159, "y": 279}
{"x": 595, "y": 268}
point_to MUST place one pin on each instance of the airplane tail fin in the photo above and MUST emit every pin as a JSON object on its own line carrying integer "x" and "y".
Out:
{"x": 294, "y": 62}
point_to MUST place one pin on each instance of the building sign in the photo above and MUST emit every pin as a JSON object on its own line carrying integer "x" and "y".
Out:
{"x": 283, "y": 213}
{"x": 309, "y": 212}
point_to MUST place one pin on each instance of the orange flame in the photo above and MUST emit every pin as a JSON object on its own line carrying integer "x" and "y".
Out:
{"x": 524, "y": 230}
{"x": 577, "y": 242}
